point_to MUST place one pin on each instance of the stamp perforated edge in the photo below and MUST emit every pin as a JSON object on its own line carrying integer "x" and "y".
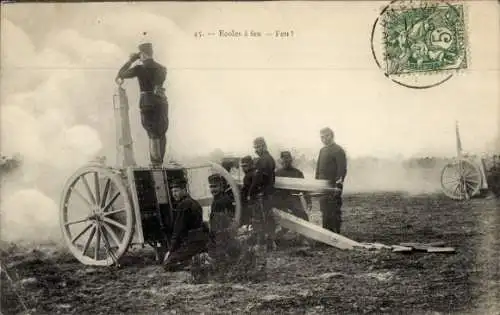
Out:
{"x": 429, "y": 73}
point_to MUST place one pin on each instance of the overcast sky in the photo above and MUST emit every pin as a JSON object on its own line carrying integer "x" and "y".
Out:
{"x": 59, "y": 61}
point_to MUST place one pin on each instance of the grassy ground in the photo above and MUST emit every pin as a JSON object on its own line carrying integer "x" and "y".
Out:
{"x": 299, "y": 280}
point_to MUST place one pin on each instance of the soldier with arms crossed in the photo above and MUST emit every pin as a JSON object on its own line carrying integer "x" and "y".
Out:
{"x": 331, "y": 166}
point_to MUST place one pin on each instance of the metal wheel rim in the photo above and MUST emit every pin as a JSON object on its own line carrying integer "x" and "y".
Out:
{"x": 467, "y": 174}
{"x": 100, "y": 229}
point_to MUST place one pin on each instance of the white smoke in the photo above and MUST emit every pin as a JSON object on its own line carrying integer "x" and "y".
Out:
{"x": 47, "y": 119}
{"x": 56, "y": 105}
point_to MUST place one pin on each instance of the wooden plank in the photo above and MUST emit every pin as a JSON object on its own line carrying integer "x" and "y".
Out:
{"x": 399, "y": 249}
{"x": 440, "y": 250}
{"x": 422, "y": 246}
{"x": 301, "y": 184}
{"x": 313, "y": 231}
{"x": 374, "y": 246}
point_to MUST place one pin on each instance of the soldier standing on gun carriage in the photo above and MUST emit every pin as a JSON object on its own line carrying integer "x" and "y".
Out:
{"x": 331, "y": 166}
{"x": 153, "y": 101}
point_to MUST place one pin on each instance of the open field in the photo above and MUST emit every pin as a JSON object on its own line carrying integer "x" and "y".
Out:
{"x": 299, "y": 280}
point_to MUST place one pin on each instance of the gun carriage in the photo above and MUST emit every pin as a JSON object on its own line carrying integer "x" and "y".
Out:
{"x": 104, "y": 210}
{"x": 464, "y": 177}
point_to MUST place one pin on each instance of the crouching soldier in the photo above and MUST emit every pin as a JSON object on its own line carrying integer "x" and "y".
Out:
{"x": 224, "y": 247}
{"x": 190, "y": 234}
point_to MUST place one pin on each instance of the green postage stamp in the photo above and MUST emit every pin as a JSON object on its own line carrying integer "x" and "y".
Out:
{"x": 424, "y": 39}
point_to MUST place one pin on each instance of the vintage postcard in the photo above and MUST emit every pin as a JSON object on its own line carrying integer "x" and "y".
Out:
{"x": 298, "y": 157}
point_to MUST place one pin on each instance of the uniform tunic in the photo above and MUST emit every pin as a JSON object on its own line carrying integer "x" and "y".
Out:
{"x": 222, "y": 212}
{"x": 263, "y": 185}
{"x": 153, "y": 102}
{"x": 188, "y": 227}
{"x": 284, "y": 198}
{"x": 245, "y": 194}
{"x": 221, "y": 216}
{"x": 331, "y": 166}
{"x": 264, "y": 178}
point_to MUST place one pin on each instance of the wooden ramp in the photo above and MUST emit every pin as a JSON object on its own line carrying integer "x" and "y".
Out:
{"x": 312, "y": 231}
{"x": 317, "y": 233}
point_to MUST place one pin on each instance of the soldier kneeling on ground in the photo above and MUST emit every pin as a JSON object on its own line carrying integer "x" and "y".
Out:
{"x": 190, "y": 234}
{"x": 224, "y": 248}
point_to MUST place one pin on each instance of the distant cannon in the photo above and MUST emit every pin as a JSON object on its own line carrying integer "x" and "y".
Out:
{"x": 465, "y": 176}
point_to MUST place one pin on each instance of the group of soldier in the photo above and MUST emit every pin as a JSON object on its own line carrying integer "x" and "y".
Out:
{"x": 192, "y": 236}
{"x": 258, "y": 194}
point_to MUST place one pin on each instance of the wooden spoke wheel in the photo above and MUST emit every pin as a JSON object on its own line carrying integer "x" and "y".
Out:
{"x": 461, "y": 180}
{"x": 96, "y": 216}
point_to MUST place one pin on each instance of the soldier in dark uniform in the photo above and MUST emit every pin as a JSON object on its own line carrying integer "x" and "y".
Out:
{"x": 262, "y": 188}
{"x": 227, "y": 165}
{"x": 288, "y": 199}
{"x": 153, "y": 102}
{"x": 190, "y": 234}
{"x": 249, "y": 171}
{"x": 221, "y": 217}
{"x": 331, "y": 166}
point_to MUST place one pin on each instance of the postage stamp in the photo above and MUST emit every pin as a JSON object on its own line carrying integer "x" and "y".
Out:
{"x": 421, "y": 43}
{"x": 425, "y": 39}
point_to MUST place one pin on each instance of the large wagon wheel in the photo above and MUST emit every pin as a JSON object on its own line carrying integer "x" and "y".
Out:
{"x": 96, "y": 199}
{"x": 461, "y": 179}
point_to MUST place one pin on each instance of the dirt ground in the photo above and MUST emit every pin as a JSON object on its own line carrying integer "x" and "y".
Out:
{"x": 300, "y": 280}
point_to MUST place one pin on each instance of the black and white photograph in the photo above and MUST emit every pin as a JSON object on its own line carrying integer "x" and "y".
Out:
{"x": 250, "y": 157}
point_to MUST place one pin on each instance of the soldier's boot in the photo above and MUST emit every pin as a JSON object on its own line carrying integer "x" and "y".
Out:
{"x": 155, "y": 152}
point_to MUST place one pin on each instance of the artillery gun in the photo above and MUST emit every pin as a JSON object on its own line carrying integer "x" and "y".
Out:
{"x": 465, "y": 176}
{"x": 127, "y": 204}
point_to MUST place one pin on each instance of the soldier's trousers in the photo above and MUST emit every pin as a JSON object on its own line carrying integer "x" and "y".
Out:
{"x": 294, "y": 206}
{"x": 263, "y": 211}
{"x": 330, "y": 207}
{"x": 154, "y": 119}
{"x": 195, "y": 243}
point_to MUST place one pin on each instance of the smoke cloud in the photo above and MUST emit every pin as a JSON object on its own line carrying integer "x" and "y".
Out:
{"x": 45, "y": 118}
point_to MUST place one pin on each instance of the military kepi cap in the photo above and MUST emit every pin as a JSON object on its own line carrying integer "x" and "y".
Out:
{"x": 247, "y": 160}
{"x": 179, "y": 183}
{"x": 259, "y": 141}
{"x": 146, "y": 48}
{"x": 215, "y": 179}
{"x": 286, "y": 155}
